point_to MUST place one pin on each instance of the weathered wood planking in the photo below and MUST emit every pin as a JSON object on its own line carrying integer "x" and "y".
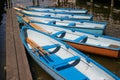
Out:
{"x": 17, "y": 67}
{"x": 11, "y": 64}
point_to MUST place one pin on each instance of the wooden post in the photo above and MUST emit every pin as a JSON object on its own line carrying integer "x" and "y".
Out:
{"x": 33, "y": 2}
{"x": 8, "y": 3}
{"x": 91, "y": 2}
{"x": 112, "y": 3}
{"x": 111, "y": 15}
{"x": 38, "y": 3}
{"x": 91, "y": 8}
{"x": 11, "y": 4}
{"x": 65, "y": 2}
{"x": 58, "y": 3}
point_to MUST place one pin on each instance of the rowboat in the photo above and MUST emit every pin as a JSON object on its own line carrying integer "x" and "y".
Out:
{"x": 86, "y": 42}
{"x": 58, "y": 10}
{"x": 88, "y": 26}
{"x": 87, "y": 17}
{"x": 53, "y": 9}
{"x": 60, "y": 60}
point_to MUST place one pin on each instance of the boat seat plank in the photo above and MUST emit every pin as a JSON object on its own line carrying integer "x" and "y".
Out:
{"x": 47, "y": 48}
{"x": 47, "y": 15}
{"x": 61, "y": 63}
{"x": 72, "y": 24}
{"x": 65, "y": 17}
{"x": 52, "y": 22}
{"x": 82, "y": 39}
{"x": 51, "y": 46}
{"x": 114, "y": 46}
{"x": 59, "y": 34}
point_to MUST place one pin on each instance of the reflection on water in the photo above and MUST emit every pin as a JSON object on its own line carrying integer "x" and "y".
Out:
{"x": 109, "y": 15}
{"x": 101, "y": 13}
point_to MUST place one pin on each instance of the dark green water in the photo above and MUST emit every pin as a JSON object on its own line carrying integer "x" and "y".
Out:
{"x": 102, "y": 14}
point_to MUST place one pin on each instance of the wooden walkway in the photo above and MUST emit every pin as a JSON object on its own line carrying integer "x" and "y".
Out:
{"x": 17, "y": 67}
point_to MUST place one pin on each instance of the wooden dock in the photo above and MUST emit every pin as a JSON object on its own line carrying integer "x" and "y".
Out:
{"x": 17, "y": 67}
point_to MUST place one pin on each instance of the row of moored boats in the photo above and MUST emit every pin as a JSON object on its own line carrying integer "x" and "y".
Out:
{"x": 53, "y": 36}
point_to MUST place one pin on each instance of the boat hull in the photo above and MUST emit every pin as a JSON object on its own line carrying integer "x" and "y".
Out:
{"x": 46, "y": 68}
{"x": 60, "y": 10}
{"x": 95, "y": 50}
{"x": 93, "y": 31}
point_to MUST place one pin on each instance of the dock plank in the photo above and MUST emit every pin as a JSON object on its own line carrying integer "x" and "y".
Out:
{"x": 24, "y": 69}
{"x": 17, "y": 67}
{"x": 11, "y": 62}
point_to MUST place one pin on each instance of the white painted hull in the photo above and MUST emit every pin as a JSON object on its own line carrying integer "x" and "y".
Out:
{"x": 64, "y": 10}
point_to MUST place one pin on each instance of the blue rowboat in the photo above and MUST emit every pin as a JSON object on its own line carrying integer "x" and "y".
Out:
{"x": 60, "y": 60}
{"x": 59, "y": 10}
{"x": 88, "y": 26}
{"x": 55, "y": 10}
{"x": 87, "y": 17}
{"x": 84, "y": 41}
